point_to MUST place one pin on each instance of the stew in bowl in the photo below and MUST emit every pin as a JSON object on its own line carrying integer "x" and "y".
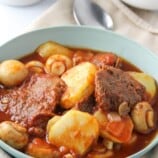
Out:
{"x": 70, "y": 102}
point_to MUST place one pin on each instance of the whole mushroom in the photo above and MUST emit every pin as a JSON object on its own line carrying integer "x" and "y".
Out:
{"x": 58, "y": 64}
{"x": 35, "y": 66}
{"x": 143, "y": 117}
{"x": 13, "y": 134}
{"x": 12, "y": 72}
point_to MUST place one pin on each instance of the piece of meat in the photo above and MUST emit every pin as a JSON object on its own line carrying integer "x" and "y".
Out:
{"x": 86, "y": 105}
{"x": 33, "y": 103}
{"x": 114, "y": 86}
{"x": 102, "y": 60}
{"x": 82, "y": 56}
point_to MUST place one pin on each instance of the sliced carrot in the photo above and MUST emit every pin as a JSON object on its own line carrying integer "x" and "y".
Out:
{"x": 115, "y": 128}
{"x": 122, "y": 130}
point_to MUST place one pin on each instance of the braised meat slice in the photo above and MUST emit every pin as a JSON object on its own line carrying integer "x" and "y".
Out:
{"x": 114, "y": 86}
{"x": 104, "y": 59}
{"x": 87, "y": 104}
{"x": 33, "y": 103}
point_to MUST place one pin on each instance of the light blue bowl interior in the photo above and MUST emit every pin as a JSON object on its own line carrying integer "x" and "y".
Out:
{"x": 83, "y": 37}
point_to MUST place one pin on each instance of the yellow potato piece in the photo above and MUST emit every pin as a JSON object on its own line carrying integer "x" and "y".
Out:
{"x": 50, "y": 48}
{"x": 147, "y": 81}
{"x": 80, "y": 84}
{"x": 75, "y": 130}
{"x": 52, "y": 121}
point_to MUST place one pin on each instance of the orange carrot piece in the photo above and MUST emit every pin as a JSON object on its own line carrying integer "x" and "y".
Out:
{"x": 122, "y": 130}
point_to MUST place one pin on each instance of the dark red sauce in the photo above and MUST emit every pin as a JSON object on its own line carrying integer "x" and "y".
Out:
{"x": 126, "y": 149}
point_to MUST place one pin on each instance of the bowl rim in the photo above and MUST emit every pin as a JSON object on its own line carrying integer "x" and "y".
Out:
{"x": 19, "y": 154}
{"x": 20, "y": 2}
{"x": 117, "y": 35}
{"x": 141, "y": 5}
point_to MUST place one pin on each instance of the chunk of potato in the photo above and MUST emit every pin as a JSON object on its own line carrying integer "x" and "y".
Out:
{"x": 49, "y": 48}
{"x": 80, "y": 84}
{"x": 52, "y": 121}
{"x": 75, "y": 130}
{"x": 147, "y": 81}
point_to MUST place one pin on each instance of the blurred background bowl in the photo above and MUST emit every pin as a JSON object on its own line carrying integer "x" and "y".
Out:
{"x": 143, "y": 4}
{"x": 19, "y": 2}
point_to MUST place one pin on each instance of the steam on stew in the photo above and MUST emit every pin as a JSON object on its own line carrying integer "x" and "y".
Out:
{"x": 68, "y": 103}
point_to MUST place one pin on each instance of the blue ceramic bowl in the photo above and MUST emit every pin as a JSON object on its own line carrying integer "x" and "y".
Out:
{"x": 84, "y": 37}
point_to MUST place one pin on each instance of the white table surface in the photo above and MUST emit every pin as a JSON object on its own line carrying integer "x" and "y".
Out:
{"x": 14, "y": 20}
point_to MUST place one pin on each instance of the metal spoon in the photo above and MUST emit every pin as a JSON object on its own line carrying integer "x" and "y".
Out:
{"x": 86, "y": 12}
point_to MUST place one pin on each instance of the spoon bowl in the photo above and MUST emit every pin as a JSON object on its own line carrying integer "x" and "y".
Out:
{"x": 87, "y": 12}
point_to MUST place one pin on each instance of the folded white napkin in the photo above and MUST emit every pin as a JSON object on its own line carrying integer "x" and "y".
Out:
{"x": 139, "y": 25}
